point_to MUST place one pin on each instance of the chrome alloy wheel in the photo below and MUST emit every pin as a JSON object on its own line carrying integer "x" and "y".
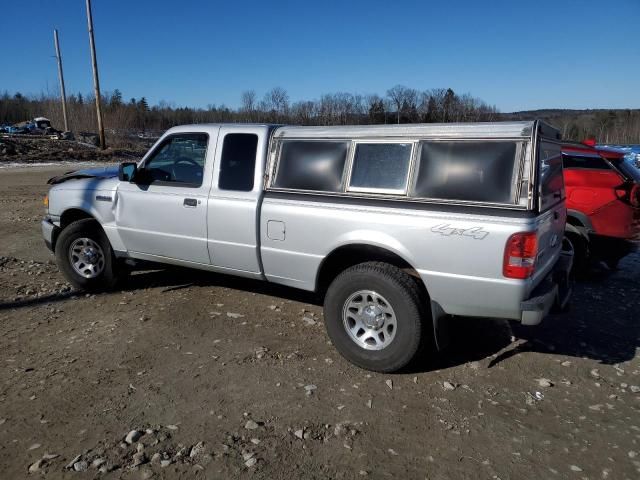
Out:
{"x": 369, "y": 320}
{"x": 86, "y": 257}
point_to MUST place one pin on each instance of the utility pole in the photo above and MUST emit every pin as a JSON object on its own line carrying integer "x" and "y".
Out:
{"x": 63, "y": 95}
{"x": 96, "y": 81}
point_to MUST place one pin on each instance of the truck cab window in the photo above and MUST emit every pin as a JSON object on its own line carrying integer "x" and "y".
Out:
{"x": 178, "y": 161}
{"x": 238, "y": 162}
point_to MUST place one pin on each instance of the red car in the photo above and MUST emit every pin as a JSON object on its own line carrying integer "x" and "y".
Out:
{"x": 603, "y": 203}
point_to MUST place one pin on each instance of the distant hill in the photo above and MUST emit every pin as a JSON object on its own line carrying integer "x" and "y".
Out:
{"x": 619, "y": 126}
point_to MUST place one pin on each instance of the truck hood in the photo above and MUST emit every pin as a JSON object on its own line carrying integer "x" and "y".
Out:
{"x": 101, "y": 172}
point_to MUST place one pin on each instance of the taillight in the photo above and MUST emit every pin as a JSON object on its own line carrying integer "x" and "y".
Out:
{"x": 629, "y": 193}
{"x": 520, "y": 255}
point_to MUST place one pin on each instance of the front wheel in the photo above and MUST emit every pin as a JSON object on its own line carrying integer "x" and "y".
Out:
{"x": 375, "y": 315}
{"x": 84, "y": 255}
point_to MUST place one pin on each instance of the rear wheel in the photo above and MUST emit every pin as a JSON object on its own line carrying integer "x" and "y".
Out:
{"x": 84, "y": 255}
{"x": 375, "y": 316}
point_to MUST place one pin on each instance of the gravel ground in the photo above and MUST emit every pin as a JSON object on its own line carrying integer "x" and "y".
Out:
{"x": 182, "y": 374}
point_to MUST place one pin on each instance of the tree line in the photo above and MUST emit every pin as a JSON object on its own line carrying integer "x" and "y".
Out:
{"x": 606, "y": 126}
{"x": 399, "y": 104}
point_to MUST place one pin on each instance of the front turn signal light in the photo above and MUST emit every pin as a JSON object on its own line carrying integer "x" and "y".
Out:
{"x": 45, "y": 201}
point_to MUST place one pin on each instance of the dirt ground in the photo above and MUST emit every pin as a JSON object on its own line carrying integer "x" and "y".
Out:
{"x": 215, "y": 377}
{"x": 34, "y": 150}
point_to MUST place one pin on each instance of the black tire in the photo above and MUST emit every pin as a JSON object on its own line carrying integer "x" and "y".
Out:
{"x": 613, "y": 263}
{"x": 86, "y": 228}
{"x": 581, "y": 257}
{"x": 413, "y": 324}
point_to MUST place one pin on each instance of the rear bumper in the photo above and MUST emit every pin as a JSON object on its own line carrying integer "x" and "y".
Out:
{"x": 553, "y": 292}
{"x": 49, "y": 233}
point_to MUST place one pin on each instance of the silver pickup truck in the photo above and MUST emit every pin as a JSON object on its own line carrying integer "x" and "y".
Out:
{"x": 397, "y": 227}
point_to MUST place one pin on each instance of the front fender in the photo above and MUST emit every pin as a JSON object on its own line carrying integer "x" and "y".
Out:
{"x": 95, "y": 197}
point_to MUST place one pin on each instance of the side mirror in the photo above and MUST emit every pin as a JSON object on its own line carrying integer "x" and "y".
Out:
{"x": 127, "y": 171}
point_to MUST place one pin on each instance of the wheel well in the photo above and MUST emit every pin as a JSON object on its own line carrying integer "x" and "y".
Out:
{"x": 576, "y": 226}
{"x": 580, "y": 221}
{"x": 349, "y": 255}
{"x": 72, "y": 215}
{"x": 571, "y": 220}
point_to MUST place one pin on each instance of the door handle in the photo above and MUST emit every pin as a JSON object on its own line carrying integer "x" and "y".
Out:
{"x": 190, "y": 202}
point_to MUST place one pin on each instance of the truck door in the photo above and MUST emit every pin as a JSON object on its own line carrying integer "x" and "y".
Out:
{"x": 235, "y": 198}
{"x": 163, "y": 213}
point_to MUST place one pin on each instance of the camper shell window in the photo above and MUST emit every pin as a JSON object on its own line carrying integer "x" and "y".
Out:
{"x": 477, "y": 171}
{"x": 380, "y": 167}
{"x": 551, "y": 182}
{"x": 311, "y": 165}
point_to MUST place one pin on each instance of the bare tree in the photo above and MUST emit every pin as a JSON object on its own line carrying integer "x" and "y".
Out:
{"x": 405, "y": 102}
{"x": 397, "y": 95}
{"x": 277, "y": 101}
{"x": 248, "y": 100}
{"x": 248, "y": 104}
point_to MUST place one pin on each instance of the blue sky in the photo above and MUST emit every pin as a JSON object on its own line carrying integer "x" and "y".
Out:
{"x": 511, "y": 53}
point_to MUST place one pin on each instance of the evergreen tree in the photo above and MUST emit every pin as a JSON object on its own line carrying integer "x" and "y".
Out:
{"x": 432, "y": 110}
{"x": 116, "y": 99}
{"x": 448, "y": 104}
{"x": 376, "y": 112}
{"x": 143, "y": 105}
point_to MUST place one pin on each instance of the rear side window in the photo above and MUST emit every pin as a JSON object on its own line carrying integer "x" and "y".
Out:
{"x": 591, "y": 162}
{"x": 551, "y": 179}
{"x": 381, "y": 166}
{"x": 467, "y": 171}
{"x": 311, "y": 165}
{"x": 238, "y": 162}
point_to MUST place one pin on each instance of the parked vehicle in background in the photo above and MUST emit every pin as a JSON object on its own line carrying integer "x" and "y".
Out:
{"x": 603, "y": 203}
{"x": 397, "y": 226}
{"x": 37, "y": 126}
{"x": 18, "y": 129}
{"x": 632, "y": 152}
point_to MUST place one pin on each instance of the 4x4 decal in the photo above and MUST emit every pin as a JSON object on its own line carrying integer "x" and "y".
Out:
{"x": 447, "y": 230}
